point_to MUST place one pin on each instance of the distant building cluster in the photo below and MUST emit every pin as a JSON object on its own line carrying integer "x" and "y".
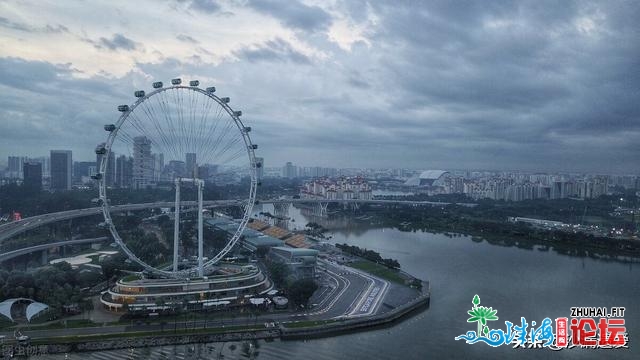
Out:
{"x": 291, "y": 171}
{"x": 512, "y": 186}
{"x": 145, "y": 168}
{"x": 527, "y": 187}
{"x": 343, "y": 188}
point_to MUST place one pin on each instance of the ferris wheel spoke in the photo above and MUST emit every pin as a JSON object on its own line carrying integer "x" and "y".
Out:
{"x": 168, "y": 118}
{"x": 153, "y": 118}
{"x": 208, "y": 140}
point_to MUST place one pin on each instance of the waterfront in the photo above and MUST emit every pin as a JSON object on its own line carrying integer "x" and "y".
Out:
{"x": 517, "y": 282}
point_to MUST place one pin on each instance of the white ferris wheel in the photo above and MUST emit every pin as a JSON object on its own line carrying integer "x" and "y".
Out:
{"x": 177, "y": 135}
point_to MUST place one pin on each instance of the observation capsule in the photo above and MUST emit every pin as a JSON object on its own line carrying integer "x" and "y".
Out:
{"x": 254, "y": 146}
{"x": 109, "y": 127}
{"x": 247, "y": 129}
{"x": 237, "y": 113}
{"x": 123, "y": 108}
{"x": 139, "y": 93}
{"x": 101, "y": 149}
{"x": 194, "y": 83}
{"x": 211, "y": 89}
{"x": 258, "y": 164}
{"x": 157, "y": 84}
{"x": 225, "y": 100}
{"x": 176, "y": 81}
{"x": 96, "y": 176}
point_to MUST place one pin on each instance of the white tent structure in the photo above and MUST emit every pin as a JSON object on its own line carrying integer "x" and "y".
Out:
{"x": 33, "y": 309}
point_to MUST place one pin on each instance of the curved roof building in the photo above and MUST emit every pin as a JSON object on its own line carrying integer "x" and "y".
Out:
{"x": 429, "y": 178}
{"x": 34, "y": 308}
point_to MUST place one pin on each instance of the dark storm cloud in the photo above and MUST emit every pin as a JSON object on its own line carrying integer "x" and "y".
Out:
{"x": 504, "y": 85}
{"x": 14, "y": 25}
{"x": 516, "y": 77}
{"x": 206, "y": 6}
{"x": 272, "y": 50}
{"x": 116, "y": 42}
{"x": 9, "y": 24}
{"x": 294, "y": 14}
{"x": 44, "y": 106}
{"x": 187, "y": 39}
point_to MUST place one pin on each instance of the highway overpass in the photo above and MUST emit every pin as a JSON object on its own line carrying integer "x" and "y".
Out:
{"x": 15, "y": 253}
{"x": 11, "y": 229}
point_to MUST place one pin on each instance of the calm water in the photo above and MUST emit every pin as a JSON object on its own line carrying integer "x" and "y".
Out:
{"x": 518, "y": 282}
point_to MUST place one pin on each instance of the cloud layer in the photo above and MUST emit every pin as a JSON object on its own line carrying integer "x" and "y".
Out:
{"x": 529, "y": 85}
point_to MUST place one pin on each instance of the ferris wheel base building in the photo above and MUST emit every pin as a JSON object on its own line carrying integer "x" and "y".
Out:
{"x": 230, "y": 286}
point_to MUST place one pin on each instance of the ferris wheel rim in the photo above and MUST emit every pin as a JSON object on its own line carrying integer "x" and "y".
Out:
{"x": 248, "y": 203}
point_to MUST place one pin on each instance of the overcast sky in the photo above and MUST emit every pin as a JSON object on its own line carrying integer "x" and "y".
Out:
{"x": 422, "y": 84}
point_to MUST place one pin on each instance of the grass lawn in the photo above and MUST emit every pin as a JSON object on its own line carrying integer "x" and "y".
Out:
{"x": 132, "y": 334}
{"x": 378, "y": 270}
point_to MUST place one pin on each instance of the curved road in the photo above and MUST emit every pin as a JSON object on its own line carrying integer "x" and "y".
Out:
{"x": 15, "y": 253}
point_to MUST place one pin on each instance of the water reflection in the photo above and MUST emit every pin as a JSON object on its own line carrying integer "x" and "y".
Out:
{"x": 518, "y": 279}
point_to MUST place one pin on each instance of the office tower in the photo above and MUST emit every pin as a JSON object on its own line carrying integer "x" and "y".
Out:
{"x": 260, "y": 169}
{"x": 61, "y": 169}
{"x": 203, "y": 172}
{"x": 82, "y": 169}
{"x": 32, "y": 176}
{"x": 14, "y": 169}
{"x": 191, "y": 165}
{"x": 158, "y": 166}
{"x": 124, "y": 171}
{"x": 176, "y": 169}
{"x": 289, "y": 171}
{"x": 142, "y": 162}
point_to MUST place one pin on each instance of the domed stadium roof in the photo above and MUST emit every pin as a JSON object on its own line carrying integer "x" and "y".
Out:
{"x": 427, "y": 178}
{"x": 432, "y": 174}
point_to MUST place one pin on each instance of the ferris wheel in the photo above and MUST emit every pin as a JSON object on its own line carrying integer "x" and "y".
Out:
{"x": 170, "y": 137}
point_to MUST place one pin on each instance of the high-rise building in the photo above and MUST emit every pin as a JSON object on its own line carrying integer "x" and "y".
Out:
{"x": 45, "y": 161}
{"x": 158, "y": 166}
{"x": 142, "y": 162}
{"x": 14, "y": 168}
{"x": 32, "y": 176}
{"x": 260, "y": 168}
{"x": 191, "y": 165}
{"x": 61, "y": 169}
{"x": 289, "y": 171}
{"x": 124, "y": 171}
{"x": 82, "y": 169}
{"x": 203, "y": 172}
{"x": 176, "y": 169}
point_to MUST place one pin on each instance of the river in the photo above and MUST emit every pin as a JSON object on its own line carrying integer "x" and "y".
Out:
{"x": 517, "y": 282}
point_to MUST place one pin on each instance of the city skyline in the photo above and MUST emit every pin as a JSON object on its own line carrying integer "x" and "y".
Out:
{"x": 525, "y": 86}
{"x": 5, "y": 165}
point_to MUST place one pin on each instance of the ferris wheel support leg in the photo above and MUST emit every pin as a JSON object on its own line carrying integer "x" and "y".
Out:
{"x": 200, "y": 240}
{"x": 176, "y": 227}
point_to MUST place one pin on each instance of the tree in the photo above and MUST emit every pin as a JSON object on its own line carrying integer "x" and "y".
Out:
{"x": 301, "y": 290}
{"x": 278, "y": 272}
